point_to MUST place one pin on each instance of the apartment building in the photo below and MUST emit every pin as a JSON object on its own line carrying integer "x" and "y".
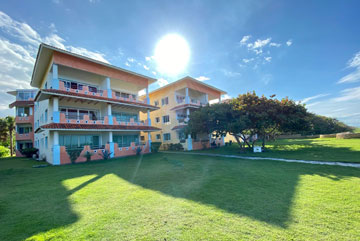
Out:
{"x": 176, "y": 101}
{"x": 24, "y": 118}
{"x": 89, "y": 105}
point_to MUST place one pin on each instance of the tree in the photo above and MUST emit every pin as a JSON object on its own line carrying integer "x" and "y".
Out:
{"x": 249, "y": 115}
{"x": 325, "y": 125}
{"x": 10, "y": 123}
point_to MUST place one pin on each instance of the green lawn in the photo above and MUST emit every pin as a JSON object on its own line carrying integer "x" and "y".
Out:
{"x": 326, "y": 149}
{"x": 178, "y": 197}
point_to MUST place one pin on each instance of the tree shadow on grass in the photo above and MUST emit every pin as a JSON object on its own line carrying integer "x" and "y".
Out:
{"x": 37, "y": 200}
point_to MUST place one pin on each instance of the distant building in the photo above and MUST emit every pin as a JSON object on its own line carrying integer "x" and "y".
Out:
{"x": 24, "y": 118}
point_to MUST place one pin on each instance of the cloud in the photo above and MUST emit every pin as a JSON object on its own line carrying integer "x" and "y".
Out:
{"x": 313, "y": 98}
{"x": 153, "y": 72}
{"x": 266, "y": 79}
{"x": 146, "y": 67}
{"x": 245, "y": 39}
{"x": 131, "y": 60}
{"x": 289, "y": 42}
{"x": 202, "y": 78}
{"x": 268, "y": 59}
{"x": 230, "y": 74}
{"x": 275, "y": 45}
{"x": 162, "y": 82}
{"x": 147, "y": 58}
{"x": 354, "y": 76}
{"x": 259, "y": 43}
{"x": 248, "y": 60}
{"x": 352, "y": 94}
{"x": 19, "y": 44}
{"x": 127, "y": 64}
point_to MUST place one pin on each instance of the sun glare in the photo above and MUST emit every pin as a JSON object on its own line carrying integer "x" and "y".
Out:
{"x": 172, "y": 54}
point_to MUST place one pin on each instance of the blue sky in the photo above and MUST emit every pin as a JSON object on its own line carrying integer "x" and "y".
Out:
{"x": 308, "y": 51}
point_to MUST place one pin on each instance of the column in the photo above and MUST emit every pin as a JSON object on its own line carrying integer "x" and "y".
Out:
{"x": 149, "y": 140}
{"x": 56, "y": 149}
{"x": 187, "y": 114}
{"x": 148, "y": 117}
{"x": 31, "y": 110}
{"x": 206, "y": 98}
{"x": 111, "y": 145}
{"x": 147, "y": 95}
{"x": 110, "y": 114}
{"x": 220, "y": 98}
{"x": 108, "y": 87}
{"x": 55, "y": 77}
{"x": 56, "y": 113}
{"x": 187, "y": 99}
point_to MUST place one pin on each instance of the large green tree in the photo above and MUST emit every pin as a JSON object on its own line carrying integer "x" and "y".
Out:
{"x": 7, "y": 127}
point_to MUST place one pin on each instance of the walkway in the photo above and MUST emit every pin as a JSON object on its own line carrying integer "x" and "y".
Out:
{"x": 344, "y": 164}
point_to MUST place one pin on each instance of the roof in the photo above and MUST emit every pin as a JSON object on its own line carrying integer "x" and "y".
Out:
{"x": 91, "y": 97}
{"x": 178, "y": 127}
{"x": 189, "y": 78}
{"x": 21, "y": 103}
{"x": 45, "y": 52}
{"x": 94, "y": 127}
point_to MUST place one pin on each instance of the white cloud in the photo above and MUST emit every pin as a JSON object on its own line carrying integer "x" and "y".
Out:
{"x": 289, "y": 42}
{"x": 202, "y": 78}
{"x": 147, "y": 58}
{"x": 275, "y": 45}
{"x": 154, "y": 73}
{"x": 162, "y": 82}
{"x": 19, "y": 44}
{"x": 313, "y": 98}
{"x": 268, "y": 59}
{"x": 248, "y": 60}
{"x": 259, "y": 43}
{"x": 245, "y": 39}
{"x": 230, "y": 74}
{"x": 127, "y": 64}
{"x": 266, "y": 79}
{"x": 355, "y": 75}
{"x": 352, "y": 94}
{"x": 146, "y": 67}
{"x": 131, "y": 60}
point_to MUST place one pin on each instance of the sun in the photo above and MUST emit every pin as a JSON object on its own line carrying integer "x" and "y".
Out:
{"x": 172, "y": 54}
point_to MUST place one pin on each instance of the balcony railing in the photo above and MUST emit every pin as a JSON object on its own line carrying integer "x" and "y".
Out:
{"x": 85, "y": 119}
{"x": 92, "y": 91}
{"x": 24, "y": 119}
{"x": 25, "y": 136}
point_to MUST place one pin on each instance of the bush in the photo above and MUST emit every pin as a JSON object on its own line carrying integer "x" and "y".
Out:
{"x": 138, "y": 150}
{"x": 105, "y": 154}
{"x": 4, "y": 152}
{"x": 29, "y": 152}
{"x": 176, "y": 147}
{"x": 73, "y": 154}
{"x": 88, "y": 156}
{"x": 155, "y": 146}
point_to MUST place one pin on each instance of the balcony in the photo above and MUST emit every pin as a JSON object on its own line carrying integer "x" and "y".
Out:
{"x": 86, "y": 119}
{"x": 93, "y": 91}
{"x": 25, "y": 136}
{"x": 24, "y": 119}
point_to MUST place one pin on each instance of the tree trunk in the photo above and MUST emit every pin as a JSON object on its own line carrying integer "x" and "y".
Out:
{"x": 11, "y": 143}
{"x": 238, "y": 141}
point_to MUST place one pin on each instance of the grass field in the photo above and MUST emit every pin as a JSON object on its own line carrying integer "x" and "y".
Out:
{"x": 178, "y": 197}
{"x": 326, "y": 149}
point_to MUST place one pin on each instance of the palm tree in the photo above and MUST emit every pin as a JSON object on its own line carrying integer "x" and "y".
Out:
{"x": 10, "y": 123}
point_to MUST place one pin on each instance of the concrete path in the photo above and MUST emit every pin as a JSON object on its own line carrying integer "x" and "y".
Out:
{"x": 344, "y": 164}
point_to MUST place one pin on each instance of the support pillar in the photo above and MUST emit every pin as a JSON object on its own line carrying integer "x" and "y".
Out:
{"x": 206, "y": 98}
{"x": 147, "y": 95}
{"x": 219, "y": 98}
{"x": 148, "y": 117}
{"x": 111, "y": 145}
{"x": 56, "y": 113}
{"x": 55, "y": 77}
{"x": 187, "y": 114}
{"x": 108, "y": 87}
{"x": 109, "y": 112}
{"x": 187, "y": 99}
{"x": 56, "y": 149}
{"x": 189, "y": 143}
{"x": 149, "y": 140}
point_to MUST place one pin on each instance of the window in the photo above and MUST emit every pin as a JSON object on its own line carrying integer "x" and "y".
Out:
{"x": 142, "y": 138}
{"x": 46, "y": 142}
{"x": 165, "y": 101}
{"x": 180, "y": 99}
{"x": 79, "y": 141}
{"x": 158, "y": 137}
{"x": 126, "y": 140}
{"x": 24, "y": 130}
{"x": 156, "y": 102}
{"x": 78, "y": 114}
{"x": 157, "y": 119}
{"x": 23, "y": 111}
{"x": 125, "y": 117}
{"x": 181, "y": 135}
{"x": 42, "y": 118}
{"x": 46, "y": 116}
{"x": 167, "y": 137}
{"x": 124, "y": 95}
{"x": 166, "y": 119}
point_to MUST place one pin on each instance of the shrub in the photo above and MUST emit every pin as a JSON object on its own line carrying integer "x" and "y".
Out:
{"x": 155, "y": 146}
{"x": 176, "y": 147}
{"x": 88, "y": 155}
{"x": 73, "y": 154}
{"x": 138, "y": 150}
{"x": 29, "y": 152}
{"x": 4, "y": 152}
{"x": 105, "y": 154}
